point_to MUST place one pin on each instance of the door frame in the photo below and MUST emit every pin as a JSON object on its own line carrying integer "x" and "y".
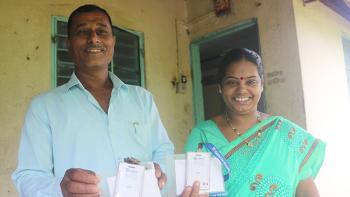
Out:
{"x": 197, "y": 89}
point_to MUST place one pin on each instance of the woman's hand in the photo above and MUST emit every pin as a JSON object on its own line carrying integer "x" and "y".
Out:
{"x": 193, "y": 191}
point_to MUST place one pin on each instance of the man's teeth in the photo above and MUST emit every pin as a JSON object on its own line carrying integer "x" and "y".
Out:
{"x": 241, "y": 99}
{"x": 94, "y": 50}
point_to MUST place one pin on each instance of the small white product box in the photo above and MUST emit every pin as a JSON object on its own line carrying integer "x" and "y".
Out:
{"x": 134, "y": 180}
{"x": 179, "y": 165}
{"x": 129, "y": 180}
{"x": 198, "y": 169}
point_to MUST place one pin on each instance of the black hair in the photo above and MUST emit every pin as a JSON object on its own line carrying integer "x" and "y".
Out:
{"x": 237, "y": 55}
{"x": 86, "y": 9}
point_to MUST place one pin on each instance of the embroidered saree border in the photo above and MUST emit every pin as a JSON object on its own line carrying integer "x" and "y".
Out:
{"x": 262, "y": 129}
{"x": 308, "y": 155}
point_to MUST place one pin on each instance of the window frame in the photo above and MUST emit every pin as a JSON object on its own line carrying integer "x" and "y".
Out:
{"x": 54, "y": 43}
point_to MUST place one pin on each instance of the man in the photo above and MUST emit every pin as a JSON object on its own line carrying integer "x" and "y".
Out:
{"x": 75, "y": 135}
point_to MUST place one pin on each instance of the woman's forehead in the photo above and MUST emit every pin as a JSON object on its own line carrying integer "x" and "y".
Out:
{"x": 242, "y": 67}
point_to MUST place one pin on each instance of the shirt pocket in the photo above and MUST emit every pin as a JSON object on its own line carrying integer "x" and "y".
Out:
{"x": 141, "y": 146}
{"x": 141, "y": 134}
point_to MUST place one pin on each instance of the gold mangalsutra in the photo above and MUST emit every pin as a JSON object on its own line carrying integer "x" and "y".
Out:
{"x": 235, "y": 130}
{"x": 230, "y": 124}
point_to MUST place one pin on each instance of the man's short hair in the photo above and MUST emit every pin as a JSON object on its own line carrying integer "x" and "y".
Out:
{"x": 86, "y": 9}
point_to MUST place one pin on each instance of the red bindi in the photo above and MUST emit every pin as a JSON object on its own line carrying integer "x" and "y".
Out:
{"x": 241, "y": 78}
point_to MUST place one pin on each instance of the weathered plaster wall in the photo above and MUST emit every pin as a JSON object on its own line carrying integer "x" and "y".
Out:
{"x": 326, "y": 95}
{"x": 278, "y": 42}
{"x": 25, "y": 66}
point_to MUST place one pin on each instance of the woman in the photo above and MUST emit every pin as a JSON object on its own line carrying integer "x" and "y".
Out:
{"x": 268, "y": 155}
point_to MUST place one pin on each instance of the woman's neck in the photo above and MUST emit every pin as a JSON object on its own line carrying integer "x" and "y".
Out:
{"x": 242, "y": 121}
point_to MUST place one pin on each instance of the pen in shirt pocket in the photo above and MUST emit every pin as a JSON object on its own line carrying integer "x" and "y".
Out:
{"x": 135, "y": 124}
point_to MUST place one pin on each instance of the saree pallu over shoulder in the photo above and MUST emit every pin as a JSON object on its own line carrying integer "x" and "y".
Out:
{"x": 269, "y": 159}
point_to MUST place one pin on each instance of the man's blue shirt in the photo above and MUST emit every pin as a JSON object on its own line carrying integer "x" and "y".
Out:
{"x": 66, "y": 128}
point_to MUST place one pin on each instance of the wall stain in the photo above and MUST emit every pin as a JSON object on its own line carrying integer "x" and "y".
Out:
{"x": 275, "y": 77}
{"x": 186, "y": 108}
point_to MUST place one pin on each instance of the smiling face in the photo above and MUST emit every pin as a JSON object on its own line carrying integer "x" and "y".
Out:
{"x": 241, "y": 87}
{"x": 91, "y": 41}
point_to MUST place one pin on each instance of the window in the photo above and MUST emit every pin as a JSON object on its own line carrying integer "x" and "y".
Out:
{"x": 346, "y": 46}
{"x": 127, "y": 61}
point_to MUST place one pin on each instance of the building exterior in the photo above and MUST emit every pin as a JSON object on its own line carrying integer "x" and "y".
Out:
{"x": 302, "y": 45}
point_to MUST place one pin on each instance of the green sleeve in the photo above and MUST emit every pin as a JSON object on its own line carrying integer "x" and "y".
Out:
{"x": 312, "y": 162}
{"x": 193, "y": 139}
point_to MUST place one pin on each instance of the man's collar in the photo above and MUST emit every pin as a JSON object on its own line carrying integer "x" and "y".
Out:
{"x": 74, "y": 81}
{"x": 117, "y": 83}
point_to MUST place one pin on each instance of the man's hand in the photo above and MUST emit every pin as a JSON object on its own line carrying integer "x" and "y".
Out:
{"x": 79, "y": 182}
{"x": 160, "y": 176}
{"x": 193, "y": 191}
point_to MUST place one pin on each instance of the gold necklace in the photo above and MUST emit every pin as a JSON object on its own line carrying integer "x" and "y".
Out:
{"x": 236, "y": 130}
{"x": 230, "y": 124}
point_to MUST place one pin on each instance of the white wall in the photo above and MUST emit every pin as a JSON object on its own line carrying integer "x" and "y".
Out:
{"x": 326, "y": 94}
